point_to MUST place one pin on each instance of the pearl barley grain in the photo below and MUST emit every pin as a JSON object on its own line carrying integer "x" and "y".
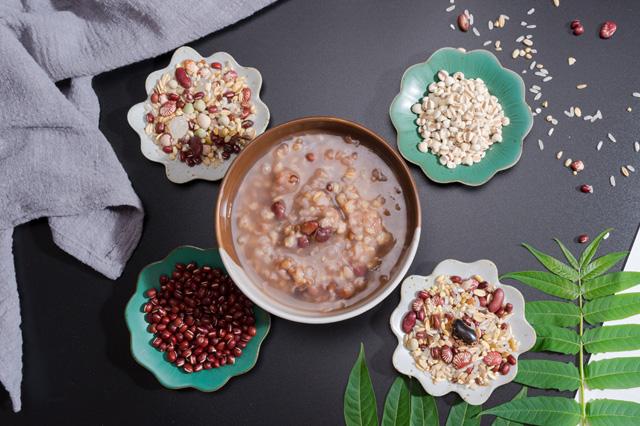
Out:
{"x": 459, "y": 119}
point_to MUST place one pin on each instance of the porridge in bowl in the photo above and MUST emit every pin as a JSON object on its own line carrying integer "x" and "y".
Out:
{"x": 320, "y": 221}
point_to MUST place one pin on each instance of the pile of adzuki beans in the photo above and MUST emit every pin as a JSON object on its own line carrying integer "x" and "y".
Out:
{"x": 199, "y": 318}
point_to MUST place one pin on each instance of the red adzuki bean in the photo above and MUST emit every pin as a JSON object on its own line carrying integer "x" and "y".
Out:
{"x": 199, "y": 318}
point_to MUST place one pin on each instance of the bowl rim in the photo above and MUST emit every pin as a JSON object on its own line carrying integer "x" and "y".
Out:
{"x": 130, "y": 307}
{"x": 175, "y": 172}
{"x": 243, "y": 281}
{"x": 472, "y": 396}
{"x": 522, "y": 90}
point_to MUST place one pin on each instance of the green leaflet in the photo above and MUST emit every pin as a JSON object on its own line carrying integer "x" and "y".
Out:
{"x": 560, "y": 314}
{"x": 463, "y": 414}
{"x": 397, "y": 406}
{"x": 614, "y": 373}
{"x": 602, "y": 264}
{"x": 591, "y": 249}
{"x": 606, "y": 285}
{"x": 544, "y": 374}
{"x": 553, "y": 264}
{"x": 424, "y": 411}
{"x": 546, "y": 282}
{"x": 567, "y": 254}
{"x": 612, "y": 338}
{"x": 359, "y": 399}
{"x": 611, "y": 412}
{"x": 612, "y": 308}
{"x": 539, "y": 410}
{"x": 556, "y": 339}
{"x": 502, "y": 422}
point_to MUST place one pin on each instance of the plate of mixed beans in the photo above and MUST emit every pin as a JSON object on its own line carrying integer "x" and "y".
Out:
{"x": 199, "y": 114}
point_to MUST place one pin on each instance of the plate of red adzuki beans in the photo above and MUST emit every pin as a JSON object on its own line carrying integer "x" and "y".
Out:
{"x": 190, "y": 324}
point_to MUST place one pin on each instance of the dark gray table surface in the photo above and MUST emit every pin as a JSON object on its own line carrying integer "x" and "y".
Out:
{"x": 342, "y": 58}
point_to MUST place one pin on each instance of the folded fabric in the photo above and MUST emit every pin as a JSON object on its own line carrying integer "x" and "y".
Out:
{"x": 54, "y": 161}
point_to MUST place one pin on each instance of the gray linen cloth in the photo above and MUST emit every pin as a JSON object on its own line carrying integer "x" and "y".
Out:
{"x": 54, "y": 161}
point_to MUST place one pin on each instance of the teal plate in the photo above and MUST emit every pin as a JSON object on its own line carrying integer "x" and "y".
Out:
{"x": 153, "y": 360}
{"x": 505, "y": 84}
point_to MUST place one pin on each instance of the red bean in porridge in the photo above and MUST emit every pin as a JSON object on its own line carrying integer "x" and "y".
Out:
{"x": 320, "y": 221}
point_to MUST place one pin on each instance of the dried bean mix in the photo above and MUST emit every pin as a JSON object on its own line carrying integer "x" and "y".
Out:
{"x": 457, "y": 330}
{"x": 201, "y": 113}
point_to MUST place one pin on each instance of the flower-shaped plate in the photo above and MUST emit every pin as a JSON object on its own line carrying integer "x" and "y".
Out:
{"x": 522, "y": 330}
{"x": 153, "y": 360}
{"x": 505, "y": 84}
{"x": 177, "y": 171}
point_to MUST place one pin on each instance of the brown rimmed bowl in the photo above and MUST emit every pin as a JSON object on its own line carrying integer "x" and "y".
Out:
{"x": 231, "y": 185}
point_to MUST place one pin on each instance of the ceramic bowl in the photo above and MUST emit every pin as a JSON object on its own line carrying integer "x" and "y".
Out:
{"x": 522, "y": 330}
{"x": 153, "y": 360}
{"x": 232, "y": 184}
{"x": 177, "y": 171}
{"x": 505, "y": 84}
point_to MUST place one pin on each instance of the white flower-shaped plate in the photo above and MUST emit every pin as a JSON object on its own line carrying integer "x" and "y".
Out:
{"x": 522, "y": 330}
{"x": 177, "y": 171}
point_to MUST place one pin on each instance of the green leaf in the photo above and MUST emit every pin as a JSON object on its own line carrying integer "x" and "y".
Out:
{"x": 540, "y": 411}
{"x": 614, "y": 373}
{"x": 544, "y": 374}
{"x": 612, "y": 338}
{"x": 547, "y": 282}
{"x": 424, "y": 411}
{"x": 611, "y": 308}
{"x": 606, "y": 285}
{"x": 463, "y": 414}
{"x": 603, "y": 264}
{"x": 591, "y": 249}
{"x": 502, "y": 422}
{"x": 359, "y": 399}
{"x": 553, "y": 264}
{"x": 572, "y": 260}
{"x": 611, "y": 412}
{"x": 397, "y": 407}
{"x": 561, "y": 314}
{"x": 556, "y": 339}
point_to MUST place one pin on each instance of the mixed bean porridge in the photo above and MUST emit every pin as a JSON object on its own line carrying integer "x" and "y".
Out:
{"x": 457, "y": 330}
{"x": 320, "y": 221}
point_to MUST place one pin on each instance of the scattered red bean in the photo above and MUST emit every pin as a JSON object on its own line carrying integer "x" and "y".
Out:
{"x": 183, "y": 79}
{"x": 587, "y": 189}
{"x": 216, "y": 65}
{"x": 512, "y": 359}
{"x": 323, "y": 234}
{"x": 496, "y": 301}
{"x": 463, "y": 22}
{"x": 577, "y": 166}
{"x": 303, "y": 241}
{"x": 279, "y": 209}
{"x": 409, "y": 321}
{"x": 508, "y": 308}
{"x": 199, "y": 318}
{"x": 608, "y": 29}
{"x": 577, "y": 27}
{"x": 584, "y": 238}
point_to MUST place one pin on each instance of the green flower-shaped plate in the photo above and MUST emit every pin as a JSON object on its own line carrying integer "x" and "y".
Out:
{"x": 153, "y": 360}
{"x": 505, "y": 84}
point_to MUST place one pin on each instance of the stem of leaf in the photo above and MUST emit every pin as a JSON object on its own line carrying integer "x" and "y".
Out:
{"x": 583, "y": 407}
